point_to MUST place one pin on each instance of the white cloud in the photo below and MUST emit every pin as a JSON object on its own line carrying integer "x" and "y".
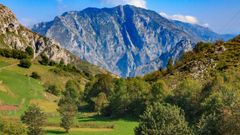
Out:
{"x": 179, "y": 17}
{"x": 137, "y": 3}
{"x": 206, "y": 25}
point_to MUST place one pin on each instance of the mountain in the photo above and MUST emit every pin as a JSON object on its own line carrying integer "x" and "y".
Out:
{"x": 205, "y": 62}
{"x": 13, "y": 35}
{"x": 125, "y": 40}
{"x": 202, "y": 33}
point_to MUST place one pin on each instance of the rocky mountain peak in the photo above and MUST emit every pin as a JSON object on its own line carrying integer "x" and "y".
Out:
{"x": 8, "y": 21}
{"x": 15, "y": 36}
{"x": 126, "y": 40}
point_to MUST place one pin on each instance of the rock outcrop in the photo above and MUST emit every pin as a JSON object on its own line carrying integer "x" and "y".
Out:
{"x": 15, "y": 36}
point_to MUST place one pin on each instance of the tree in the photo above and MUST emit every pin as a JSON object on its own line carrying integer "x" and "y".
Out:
{"x": 187, "y": 95}
{"x": 100, "y": 102}
{"x": 10, "y": 127}
{"x": 159, "y": 119}
{"x": 25, "y": 63}
{"x": 68, "y": 106}
{"x": 221, "y": 106}
{"x": 29, "y": 50}
{"x": 100, "y": 84}
{"x": 34, "y": 118}
{"x": 119, "y": 100}
{"x": 71, "y": 90}
{"x": 159, "y": 91}
{"x": 129, "y": 97}
{"x": 68, "y": 110}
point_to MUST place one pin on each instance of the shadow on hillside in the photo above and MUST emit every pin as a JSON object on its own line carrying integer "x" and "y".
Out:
{"x": 55, "y": 132}
{"x": 98, "y": 118}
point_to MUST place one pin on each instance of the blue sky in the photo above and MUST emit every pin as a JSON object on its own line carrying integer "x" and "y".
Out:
{"x": 223, "y": 16}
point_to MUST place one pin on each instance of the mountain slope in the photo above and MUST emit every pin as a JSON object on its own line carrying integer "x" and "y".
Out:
{"x": 18, "y": 88}
{"x": 119, "y": 39}
{"x": 201, "y": 33}
{"x": 125, "y": 40}
{"x": 204, "y": 63}
{"x": 15, "y": 36}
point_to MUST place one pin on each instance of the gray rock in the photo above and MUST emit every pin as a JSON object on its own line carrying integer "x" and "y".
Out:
{"x": 15, "y": 36}
{"x": 126, "y": 40}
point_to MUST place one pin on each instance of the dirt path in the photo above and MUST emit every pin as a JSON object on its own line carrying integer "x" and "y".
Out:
{"x": 8, "y": 66}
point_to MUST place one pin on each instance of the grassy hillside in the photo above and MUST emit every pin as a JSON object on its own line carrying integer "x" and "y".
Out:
{"x": 203, "y": 63}
{"x": 18, "y": 89}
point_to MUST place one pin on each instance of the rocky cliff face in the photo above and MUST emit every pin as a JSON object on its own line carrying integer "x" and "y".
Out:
{"x": 125, "y": 40}
{"x": 15, "y": 36}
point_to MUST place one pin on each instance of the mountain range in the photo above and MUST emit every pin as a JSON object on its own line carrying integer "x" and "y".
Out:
{"x": 125, "y": 40}
{"x": 13, "y": 35}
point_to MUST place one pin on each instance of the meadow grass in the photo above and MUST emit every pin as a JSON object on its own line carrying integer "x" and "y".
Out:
{"x": 19, "y": 89}
{"x": 3, "y": 64}
{"x": 120, "y": 126}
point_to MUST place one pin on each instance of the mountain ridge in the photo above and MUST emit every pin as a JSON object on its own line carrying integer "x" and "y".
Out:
{"x": 123, "y": 39}
{"x": 13, "y": 35}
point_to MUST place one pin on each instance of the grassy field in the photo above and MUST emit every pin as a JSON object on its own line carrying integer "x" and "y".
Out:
{"x": 3, "y": 64}
{"x": 18, "y": 89}
{"x": 93, "y": 125}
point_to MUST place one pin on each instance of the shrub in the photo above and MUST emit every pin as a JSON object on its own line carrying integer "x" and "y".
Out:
{"x": 160, "y": 119}
{"x": 45, "y": 60}
{"x": 53, "y": 90}
{"x": 29, "y": 50}
{"x": 170, "y": 65}
{"x": 52, "y": 63}
{"x": 10, "y": 127}
{"x": 201, "y": 46}
{"x": 25, "y": 63}
{"x": 16, "y": 54}
{"x": 35, "y": 75}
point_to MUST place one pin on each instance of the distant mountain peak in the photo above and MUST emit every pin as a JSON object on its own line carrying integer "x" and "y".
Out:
{"x": 125, "y": 40}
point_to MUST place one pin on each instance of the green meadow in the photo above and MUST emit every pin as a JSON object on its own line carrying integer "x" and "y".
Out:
{"x": 19, "y": 89}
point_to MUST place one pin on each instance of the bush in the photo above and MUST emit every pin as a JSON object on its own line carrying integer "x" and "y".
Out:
{"x": 45, "y": 60}
{"x": 52, "y": 63}
{"x": 53, "y": 90}
{"x": 29, "y": 50}
{"x": 16, "y": 54}
{"x": 35, "y": 75}
{"x": 201, "y": 46}
{"x": 10, "y": 127}
{"x": 160, "y": 119}
{"x": 25, "y": 63}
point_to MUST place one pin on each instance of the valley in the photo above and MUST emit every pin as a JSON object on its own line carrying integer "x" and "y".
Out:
{"x": 152, "y": 75}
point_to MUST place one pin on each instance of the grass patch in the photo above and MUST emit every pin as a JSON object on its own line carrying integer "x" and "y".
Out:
{"x": 22, "y": 89}
{"x": 3, "y": 64}
{"x": 47, "y": 106}
{"x": 90, "y": 124}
